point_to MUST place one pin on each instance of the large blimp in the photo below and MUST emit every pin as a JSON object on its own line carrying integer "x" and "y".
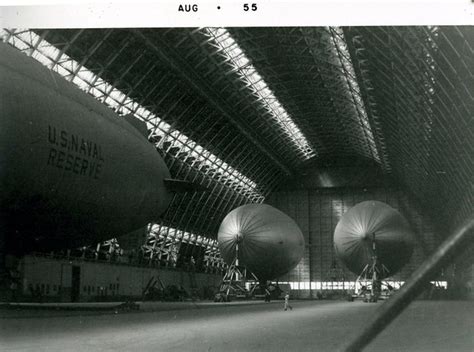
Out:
{"x": 72, "y": 172}
{"x": 373, "y": 228}
{"x": 269, "y": 242}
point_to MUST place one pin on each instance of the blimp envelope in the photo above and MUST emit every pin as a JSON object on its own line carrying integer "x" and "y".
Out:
{"x": 269, "y": 242}
{"x": 369, "y": 222}
{"x": 72, "y": 172}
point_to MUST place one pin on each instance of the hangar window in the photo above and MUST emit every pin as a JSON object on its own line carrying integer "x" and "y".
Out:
{"x": 171, "y": 234}
{"x": 347, "y": 285}
{"x": 165, "y": 243}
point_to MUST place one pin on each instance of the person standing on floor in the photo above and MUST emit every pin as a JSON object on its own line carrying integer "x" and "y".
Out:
{"x": 267, "y": 295}
{"x": 287, "y": 302}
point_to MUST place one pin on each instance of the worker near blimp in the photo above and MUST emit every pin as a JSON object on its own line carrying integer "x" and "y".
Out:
{"x": 287, "y": 302}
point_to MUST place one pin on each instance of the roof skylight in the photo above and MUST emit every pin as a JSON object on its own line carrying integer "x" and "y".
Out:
{"x": 260, "y": 89}
{"x": 353, "y": 89}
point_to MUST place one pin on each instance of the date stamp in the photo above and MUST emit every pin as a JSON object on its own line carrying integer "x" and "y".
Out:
{"x": 194, "y": 7}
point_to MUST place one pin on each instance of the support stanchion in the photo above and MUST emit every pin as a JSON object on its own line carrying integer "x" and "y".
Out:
{"x": 461, "y": 240}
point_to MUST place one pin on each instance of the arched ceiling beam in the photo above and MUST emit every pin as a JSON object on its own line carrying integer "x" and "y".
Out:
{"x": 169, "y": 55}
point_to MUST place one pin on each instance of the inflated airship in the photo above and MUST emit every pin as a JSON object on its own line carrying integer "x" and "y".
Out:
{"x": 269, "y": 242}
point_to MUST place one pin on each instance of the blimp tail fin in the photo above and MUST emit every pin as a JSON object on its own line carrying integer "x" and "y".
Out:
{"x": 181, "y": 186}
{"x": 140, "y": 126}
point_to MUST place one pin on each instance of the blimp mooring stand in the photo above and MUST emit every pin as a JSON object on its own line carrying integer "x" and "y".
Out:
{"x": 236, "y": 278}
{"x": 372, "y": 272}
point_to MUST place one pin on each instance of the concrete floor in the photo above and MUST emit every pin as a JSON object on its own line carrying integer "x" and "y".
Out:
{"x": 311, "y": 325}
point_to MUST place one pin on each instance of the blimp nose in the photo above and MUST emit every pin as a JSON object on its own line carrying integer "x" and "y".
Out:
{"x": 369, "y": 236}
{"x": 239, "y": 237}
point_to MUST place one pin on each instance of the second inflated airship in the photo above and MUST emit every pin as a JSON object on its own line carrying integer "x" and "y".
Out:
{"x": 269, "y": 242}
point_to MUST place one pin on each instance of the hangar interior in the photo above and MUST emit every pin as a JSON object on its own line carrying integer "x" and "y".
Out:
{"x": 310, "y": 120}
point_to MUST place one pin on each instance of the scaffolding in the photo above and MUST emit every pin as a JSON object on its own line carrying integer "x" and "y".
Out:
{"x": 369, "y": 283}
{"x": 238, "y": 281}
